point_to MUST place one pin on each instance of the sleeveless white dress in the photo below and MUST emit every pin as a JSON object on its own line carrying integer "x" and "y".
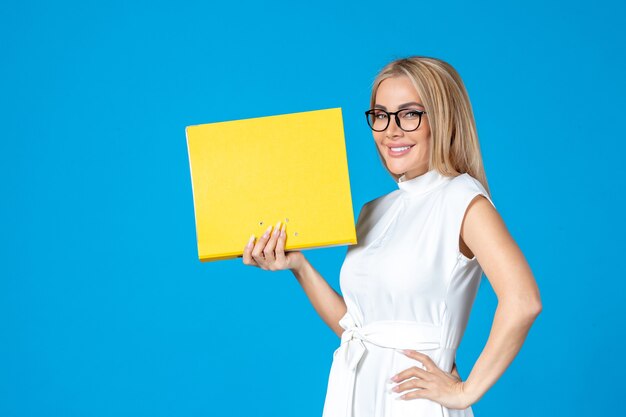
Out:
{"x": 406, "y": 286}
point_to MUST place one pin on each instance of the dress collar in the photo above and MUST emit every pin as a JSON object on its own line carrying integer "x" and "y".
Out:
{"x": 422, "y": 183}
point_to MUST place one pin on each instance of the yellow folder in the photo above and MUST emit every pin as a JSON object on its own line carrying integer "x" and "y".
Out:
{"x": 249, "y": 174}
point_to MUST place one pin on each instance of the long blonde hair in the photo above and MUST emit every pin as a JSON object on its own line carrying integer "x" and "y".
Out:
{"x": 454, "y": 147}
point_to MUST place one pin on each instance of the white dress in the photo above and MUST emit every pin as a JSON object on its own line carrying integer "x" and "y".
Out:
{"x": 406, "y": 286}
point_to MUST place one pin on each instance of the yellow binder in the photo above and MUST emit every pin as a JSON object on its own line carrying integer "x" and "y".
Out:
{"x": 249, "y": 174}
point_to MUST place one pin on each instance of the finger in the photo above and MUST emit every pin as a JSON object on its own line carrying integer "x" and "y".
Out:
{"x": 257, "y": 253}
{"x": 270, "y": 246}
{"x": 426, "y": 361}
{"x": 280, "y": 245}
{"x": 410, "y": 384}
{"x": 413, "y": 371}
{"x": 418, "y": 393}
{"x": 247, "y": 252}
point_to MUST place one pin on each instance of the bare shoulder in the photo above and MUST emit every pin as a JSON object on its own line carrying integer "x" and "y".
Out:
{"x": 485, "y": 235}
{"x": 482, "y": 219}
{"x": 478, "y": 211}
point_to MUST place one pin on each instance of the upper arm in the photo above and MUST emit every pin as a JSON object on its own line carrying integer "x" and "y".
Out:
{"x": 504, "y": 264}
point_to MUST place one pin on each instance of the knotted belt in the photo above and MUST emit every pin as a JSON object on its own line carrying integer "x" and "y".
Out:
{"x": 346, "y": 358}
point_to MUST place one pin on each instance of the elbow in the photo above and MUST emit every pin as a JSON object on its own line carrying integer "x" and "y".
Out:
{"x": 535, "y": 309}
{"x": 534, "y": 304}
{"x": 531, "y": 308}
{"x": 525, "y": 309}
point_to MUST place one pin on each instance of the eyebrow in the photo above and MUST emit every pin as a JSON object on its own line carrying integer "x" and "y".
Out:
{"x": 401, "y": 106}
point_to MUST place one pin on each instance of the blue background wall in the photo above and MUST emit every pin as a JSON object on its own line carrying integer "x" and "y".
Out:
{"x": 105, "y": 309}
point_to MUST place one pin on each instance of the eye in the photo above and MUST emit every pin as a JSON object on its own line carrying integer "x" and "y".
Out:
{"x": 411, "y": 114}
{"x": 380, "y": 115}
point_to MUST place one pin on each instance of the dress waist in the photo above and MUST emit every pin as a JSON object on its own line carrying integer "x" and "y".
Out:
{"x": 390, "y": 334}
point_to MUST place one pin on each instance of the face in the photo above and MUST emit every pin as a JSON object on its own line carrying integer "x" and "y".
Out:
{"x": 393, "y": 94}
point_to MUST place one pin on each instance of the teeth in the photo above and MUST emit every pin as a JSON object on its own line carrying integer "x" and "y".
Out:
{"x": 400, "y": 149}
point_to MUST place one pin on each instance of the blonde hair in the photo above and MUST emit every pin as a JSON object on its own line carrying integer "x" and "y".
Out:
{"x": 454, "y": 147}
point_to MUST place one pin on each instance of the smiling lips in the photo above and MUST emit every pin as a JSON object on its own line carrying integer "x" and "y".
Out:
{"x": 399, "y": 149}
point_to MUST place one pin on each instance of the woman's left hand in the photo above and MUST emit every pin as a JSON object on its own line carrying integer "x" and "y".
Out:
{"x": 431, "y": 383}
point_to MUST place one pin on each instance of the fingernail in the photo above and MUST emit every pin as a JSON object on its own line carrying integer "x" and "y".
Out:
{"x": 267, "y": 232}
{"x": 277, "y": 228}
{"x": 250, "y": 241}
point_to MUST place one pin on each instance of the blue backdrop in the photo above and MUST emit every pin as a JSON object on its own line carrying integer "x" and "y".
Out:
{"x": 105, "y": 309}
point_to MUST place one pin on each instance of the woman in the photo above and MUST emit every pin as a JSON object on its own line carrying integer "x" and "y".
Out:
{"x": 409, "y": 284}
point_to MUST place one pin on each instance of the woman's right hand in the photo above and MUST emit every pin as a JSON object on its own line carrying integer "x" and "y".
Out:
{"x": 269, "y": 251}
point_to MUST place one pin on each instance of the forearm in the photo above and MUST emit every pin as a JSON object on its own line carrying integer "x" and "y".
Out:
{"x": 511, "y": 324}
{"x": 327, "y": 302}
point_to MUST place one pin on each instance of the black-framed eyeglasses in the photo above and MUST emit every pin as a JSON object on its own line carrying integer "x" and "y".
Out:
{"x": 407, "y": 119}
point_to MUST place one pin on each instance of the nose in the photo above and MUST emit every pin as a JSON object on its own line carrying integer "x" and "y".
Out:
{"x": 393, "y": 129}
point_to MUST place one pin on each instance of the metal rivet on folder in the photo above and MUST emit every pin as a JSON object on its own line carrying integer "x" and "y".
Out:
{"x": 295, "y": 234}
{"x": 261, "y": 223}
{"x": 286, "y": 220}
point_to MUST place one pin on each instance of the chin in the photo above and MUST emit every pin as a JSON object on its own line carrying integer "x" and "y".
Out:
{"x": 397, "y": 170}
